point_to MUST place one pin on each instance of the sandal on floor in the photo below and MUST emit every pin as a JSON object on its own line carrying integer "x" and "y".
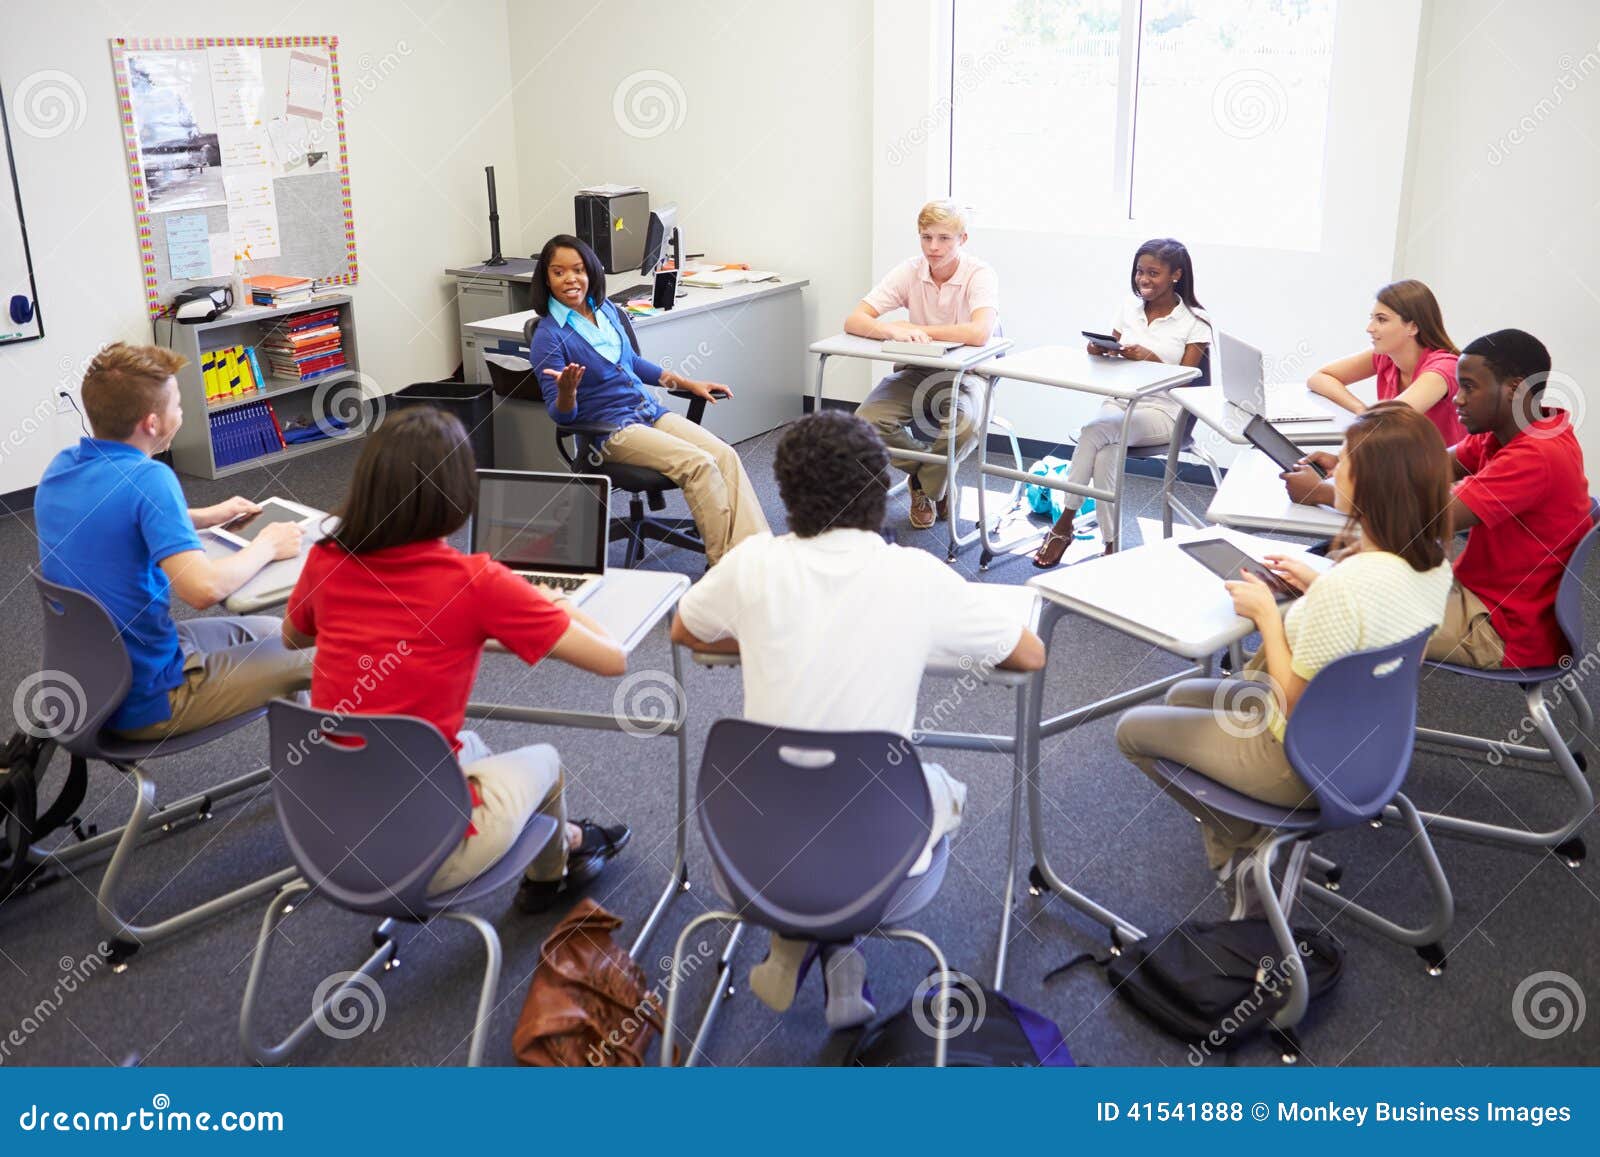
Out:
{"x": 1051, "y": 549}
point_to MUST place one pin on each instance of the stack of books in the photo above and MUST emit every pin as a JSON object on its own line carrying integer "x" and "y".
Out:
{"x": 274, "y": 289}
{"x": 231, "y": 372}
{"x": 244, "y": 432}
{"x": 305, "y": 348}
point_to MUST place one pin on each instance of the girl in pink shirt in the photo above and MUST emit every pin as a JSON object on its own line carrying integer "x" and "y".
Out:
{"x": 1412, "y": 356}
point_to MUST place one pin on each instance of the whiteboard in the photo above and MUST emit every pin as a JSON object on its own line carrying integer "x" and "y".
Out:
{"x": 19, "y": 304}
{"x": 235, "y": 148}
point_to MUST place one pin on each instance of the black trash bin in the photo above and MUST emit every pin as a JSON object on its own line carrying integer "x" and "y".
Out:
{"x": 473, "y": 404}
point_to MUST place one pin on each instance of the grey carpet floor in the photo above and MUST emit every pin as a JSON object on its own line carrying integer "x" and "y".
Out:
{"x": 1519, "y": 913}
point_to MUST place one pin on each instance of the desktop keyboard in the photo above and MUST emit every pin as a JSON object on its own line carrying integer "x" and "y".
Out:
{"x": 623, "y": 296}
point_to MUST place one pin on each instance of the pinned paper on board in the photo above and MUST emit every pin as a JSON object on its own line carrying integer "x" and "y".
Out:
{"x": 188, "y": 246}
{"x": 253, "y": 213}
{"x": 308, "y": 85}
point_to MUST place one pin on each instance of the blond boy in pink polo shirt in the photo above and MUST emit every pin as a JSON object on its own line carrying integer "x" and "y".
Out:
{"x": 948, "y": 295}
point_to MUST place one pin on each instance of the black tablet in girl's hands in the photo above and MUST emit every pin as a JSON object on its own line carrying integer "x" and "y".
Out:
{"x": 1104, "y": 340}
{"x": 1223, "y": 559}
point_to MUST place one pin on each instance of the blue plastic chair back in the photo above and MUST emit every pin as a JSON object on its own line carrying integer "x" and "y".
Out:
{"x": 1569, "y": 595}
{"x": 811, "y": 831}
{"x": 1351, "y": 734}
{"x": 84, "y": 672}
{"x": 370, "y": 816}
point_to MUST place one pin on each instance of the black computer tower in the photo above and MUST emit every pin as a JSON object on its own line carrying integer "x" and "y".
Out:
{"x": 614, "y": 227}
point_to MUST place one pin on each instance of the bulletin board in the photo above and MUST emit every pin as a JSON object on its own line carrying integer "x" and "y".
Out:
{"x": 19, "y": 306}
{"x": 235, "y": 147}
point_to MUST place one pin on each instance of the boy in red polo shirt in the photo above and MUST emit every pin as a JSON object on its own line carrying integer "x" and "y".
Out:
{"x": 1523, "y": 497}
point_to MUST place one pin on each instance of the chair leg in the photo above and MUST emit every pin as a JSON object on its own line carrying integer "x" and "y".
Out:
{"x": 1562, "y": 839}
{"x": 1426, "y": 938}
{"x": 491, "y": 982}
{"x": 128, "y": 937}
{"x": 669, "y": 1018}
{"x": 363, "y": 980}
{"x": 941, "y": 1039}
{"x": 1288, "y": 951}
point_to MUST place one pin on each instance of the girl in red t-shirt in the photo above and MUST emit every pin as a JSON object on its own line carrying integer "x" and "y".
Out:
{"x": 1412, "y": 356}
{"x": 399, "y": 619}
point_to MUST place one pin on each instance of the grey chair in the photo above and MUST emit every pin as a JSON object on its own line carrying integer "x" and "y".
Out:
{"x": 1542, "y": 688}
{"x": 369, "y": 818}
{"x": 1354, "y": 773}
{"x": 811, "y": 834}
{"x": 85, "y": 659}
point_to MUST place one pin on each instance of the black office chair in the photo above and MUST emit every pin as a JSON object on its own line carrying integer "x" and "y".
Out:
{"x": 579, "y": 444}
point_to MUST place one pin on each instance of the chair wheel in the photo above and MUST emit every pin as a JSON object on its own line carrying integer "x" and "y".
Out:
{"x": 1433, "y": 956}
{"x": 1037, "y": 885}
{"x": 118, "y": 953}
{"x": 1572, "y": 851}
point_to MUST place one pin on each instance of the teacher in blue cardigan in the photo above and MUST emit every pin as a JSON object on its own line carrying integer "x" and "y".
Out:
{"x": 589, "y": 372}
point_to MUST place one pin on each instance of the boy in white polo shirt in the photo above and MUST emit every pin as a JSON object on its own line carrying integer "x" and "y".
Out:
{"x": 834, "y": 627}
{"x": 949, "y": 295}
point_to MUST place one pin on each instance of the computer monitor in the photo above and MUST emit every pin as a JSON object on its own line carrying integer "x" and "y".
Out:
{"x": 662, "y": 230}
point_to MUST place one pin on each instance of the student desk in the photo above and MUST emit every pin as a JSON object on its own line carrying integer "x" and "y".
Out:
{"x": 629, "y": 606}
{"x": 1208, "y": 405}
{"x": 1026, "y": 607}
{"x": 957, "y": 363}
{"x": 749, "y": 336}
{"x": 270, "y": 585}
{"x": 1073, "y": 368}
{"x": 1155, "y": 593}
{"x": 1252, "y": 497}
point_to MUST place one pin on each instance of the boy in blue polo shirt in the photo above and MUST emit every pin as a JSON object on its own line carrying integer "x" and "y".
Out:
{"x": 112, "y": 522}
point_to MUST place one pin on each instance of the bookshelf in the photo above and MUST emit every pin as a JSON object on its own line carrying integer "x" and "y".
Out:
{"x": 290, "y": 399}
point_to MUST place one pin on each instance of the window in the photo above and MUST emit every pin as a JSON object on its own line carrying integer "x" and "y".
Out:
{"x": 1205, "y": 118}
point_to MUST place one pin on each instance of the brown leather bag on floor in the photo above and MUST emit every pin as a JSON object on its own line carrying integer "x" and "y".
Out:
{"x": 589, "y": 1003}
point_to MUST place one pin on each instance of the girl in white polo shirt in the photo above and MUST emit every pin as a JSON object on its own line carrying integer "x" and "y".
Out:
{"x": 1162, "y": 322}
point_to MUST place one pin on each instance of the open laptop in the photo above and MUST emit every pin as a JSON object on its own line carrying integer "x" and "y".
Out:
{"x": 1244, "y": 384}
{"x": 552, "y": 529}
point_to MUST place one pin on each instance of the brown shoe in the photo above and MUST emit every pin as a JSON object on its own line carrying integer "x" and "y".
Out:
{"x": 922, "y": 510}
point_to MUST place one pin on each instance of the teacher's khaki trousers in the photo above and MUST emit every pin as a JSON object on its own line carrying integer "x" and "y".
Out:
{"x": 706, "y": 469}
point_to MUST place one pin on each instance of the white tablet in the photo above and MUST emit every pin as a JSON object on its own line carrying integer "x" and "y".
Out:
{"x": 243, "y": 531}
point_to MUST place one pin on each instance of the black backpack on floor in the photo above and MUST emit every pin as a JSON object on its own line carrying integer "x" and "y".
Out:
{"x": 23, "y": 763}
{"x": 1215, "y": 986}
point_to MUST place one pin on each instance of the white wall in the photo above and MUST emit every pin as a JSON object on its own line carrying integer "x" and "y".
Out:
{"x": 754, "y": 117}
{"x": 420, "y": 128}
{"x": 1301, "y": 308}
{"x": 1503, "y": 220}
